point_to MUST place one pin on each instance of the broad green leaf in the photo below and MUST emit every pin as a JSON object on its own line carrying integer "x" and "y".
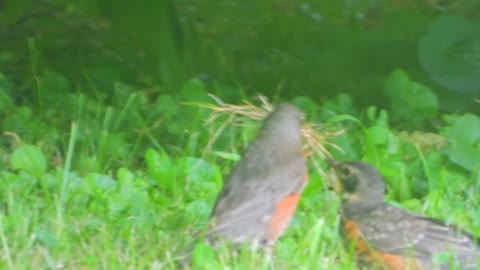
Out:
{"x": 29, "y": 158}
{"x": 159, "y": 165}
{"x": 306, "y": 104}
{"x": 99, "y": 184}
{"x": 466, "y": 157}
{"x": 465, "y": 130}
{"x": 202, "y": 254}
{"x": 379, "y": 134}
{"x": 197, "y": 170}
{"x": 166, "y": 104}
{"x": 195, "y": 91}
{"x": 125, "y": 176}
{"x": 464, "y": 134}
{"x": 410, "y": 101}
{"x": 450, "y": 53}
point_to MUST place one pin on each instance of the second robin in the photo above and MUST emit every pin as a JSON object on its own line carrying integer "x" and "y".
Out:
{"x": 389, "y": 237}
{"x": 260, "y": 196}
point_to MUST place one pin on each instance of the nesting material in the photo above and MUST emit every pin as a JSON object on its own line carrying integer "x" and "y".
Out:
{"x": 317, "y": 137}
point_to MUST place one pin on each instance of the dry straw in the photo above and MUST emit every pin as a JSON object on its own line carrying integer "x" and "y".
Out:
{"x": 317, "y": 137}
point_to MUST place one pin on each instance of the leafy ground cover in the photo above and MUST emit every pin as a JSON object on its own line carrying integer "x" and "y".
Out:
{"x": 105, "y": 164}
{"x": 126, "y": 186}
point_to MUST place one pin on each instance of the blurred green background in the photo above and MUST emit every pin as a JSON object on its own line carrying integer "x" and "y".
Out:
{"x": 277, "y": 47}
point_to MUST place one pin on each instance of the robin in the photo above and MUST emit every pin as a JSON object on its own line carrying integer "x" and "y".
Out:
{"x": 388, "y": 237}
{"x": 261, "y": 194}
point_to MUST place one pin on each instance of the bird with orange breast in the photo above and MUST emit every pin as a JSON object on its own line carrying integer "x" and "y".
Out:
{"x": 388, "y": 237}
{"x": 261, "y": 194}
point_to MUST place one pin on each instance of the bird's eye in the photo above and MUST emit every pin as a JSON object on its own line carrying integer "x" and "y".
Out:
{"x": 344, "y": 172}
{"x": 347, "y": 178}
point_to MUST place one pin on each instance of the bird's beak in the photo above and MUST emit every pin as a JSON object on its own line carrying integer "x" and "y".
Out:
{"x": 337, "y": 186}
{"x": 333, "y": 163}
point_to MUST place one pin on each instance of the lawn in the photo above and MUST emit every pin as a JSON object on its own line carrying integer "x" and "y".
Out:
{"x": 108, "y": 161}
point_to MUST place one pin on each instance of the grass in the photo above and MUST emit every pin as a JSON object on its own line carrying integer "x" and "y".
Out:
{"x": 127, "y": 186}
{"x": 97, "y": 174}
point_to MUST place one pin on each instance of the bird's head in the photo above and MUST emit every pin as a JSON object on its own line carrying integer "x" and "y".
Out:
{"x": 283, "y": 124}
{"x": 361, "y": 183}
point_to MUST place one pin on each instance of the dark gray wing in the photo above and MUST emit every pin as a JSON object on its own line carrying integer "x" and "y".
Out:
{"x": 249, "y": 198}
{"x": 397, "y": 231}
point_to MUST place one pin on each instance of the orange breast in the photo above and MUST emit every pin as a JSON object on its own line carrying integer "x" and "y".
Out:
{"x": 374, "y": 257}
{"x": 282, "y": 216}
{"x": 284, "y": 211}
